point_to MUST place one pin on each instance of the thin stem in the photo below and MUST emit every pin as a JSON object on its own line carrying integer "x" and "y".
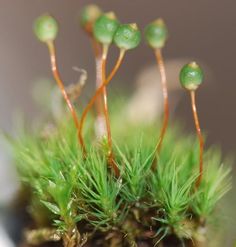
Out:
{"x": 161, "y": 66}
{"x": 105, "y": 106}
{"x": 99, "y": 91}
{"x": 200, "y": 137}
{"x": 101, "y": 121}
{"x": 111, "y": 160}
{"x": 96, "y": 47}
{"x": 52, "y": 52}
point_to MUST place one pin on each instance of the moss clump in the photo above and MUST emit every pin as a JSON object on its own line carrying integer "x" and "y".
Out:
{"x": 119, "y": 190}
{"x": 85, "y": 195}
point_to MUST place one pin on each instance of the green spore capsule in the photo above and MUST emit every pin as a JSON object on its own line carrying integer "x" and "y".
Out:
{"x": 191, "y": 76}
{"x": 46, "y": 28}
{"x": 156, "y": 34}
{"x": 89, "y": 15}
{"x": 127, "y": 36}
{"x": 105, "y": 28}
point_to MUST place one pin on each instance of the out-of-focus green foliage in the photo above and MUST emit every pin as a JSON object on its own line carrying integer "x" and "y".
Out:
{"x": 74, "y": 189}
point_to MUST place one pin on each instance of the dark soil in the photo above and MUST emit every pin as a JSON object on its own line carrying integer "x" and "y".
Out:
{"x": 99, "y": 239}
{"x": 169, "y": 242}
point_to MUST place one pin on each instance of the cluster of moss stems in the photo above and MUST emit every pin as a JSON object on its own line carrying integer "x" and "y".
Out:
{"x": 104, "y": 29}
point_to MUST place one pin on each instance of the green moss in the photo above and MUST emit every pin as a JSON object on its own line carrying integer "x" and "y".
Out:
{"x": 74, "y": 189}
{"x": 127, "y": 36}
{"x": 89, "y": 14}
{"x": 105, "y": 28}
{"x": 191, "y": 76}
{"x": 156, "y": 34}
{"x": 155, "y": 192}
{"x": 46, "y": 28}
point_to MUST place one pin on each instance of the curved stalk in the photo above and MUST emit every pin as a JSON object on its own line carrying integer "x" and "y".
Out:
{"x": 99, "y": 91}
{"x": 200, "y": 137}
{"x": 100, "y": 123}
{"x": 56, "y": 75}
{"x": 160, "y": 62}
{"x": 111, "y": 160}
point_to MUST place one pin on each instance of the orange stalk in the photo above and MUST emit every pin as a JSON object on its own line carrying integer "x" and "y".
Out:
{"x": 100, "y": 122}
{"x": 200, "y": 137}
{"x": 98, "y": 62}
{"x": 96, "y": 47}
{"x": 99, "y": 91}
{"x": 160, "y": 62}
{"x": 111, "y": 160}
{"x": 54, "y": 68}
{"x": 105, "y": 106}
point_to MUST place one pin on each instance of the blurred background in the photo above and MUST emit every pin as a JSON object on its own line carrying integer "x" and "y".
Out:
{"x": 200, "y": 30}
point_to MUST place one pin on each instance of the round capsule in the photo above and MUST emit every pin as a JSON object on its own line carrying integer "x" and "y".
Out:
{"x": 127, "y": 36}
{"x": 156, "y": 34}
{"x": 89, "y": 15}
{"x": 191, "y": 76}
{"x": 105, "y": 28}
{"x": 46, "y": 28}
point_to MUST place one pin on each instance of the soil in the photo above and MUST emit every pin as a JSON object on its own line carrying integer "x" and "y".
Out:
{"x": 99, "y": 239}
{"x": 169, "y": 242}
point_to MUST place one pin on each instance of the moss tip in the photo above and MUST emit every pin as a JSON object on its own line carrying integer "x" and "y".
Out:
{"x": 159, "y": 21}
{"x": 111, "y": 15}
{"x": 193, "y": 65}
{"x": 134, "y": 26}
{"x": 191, "y": 76}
